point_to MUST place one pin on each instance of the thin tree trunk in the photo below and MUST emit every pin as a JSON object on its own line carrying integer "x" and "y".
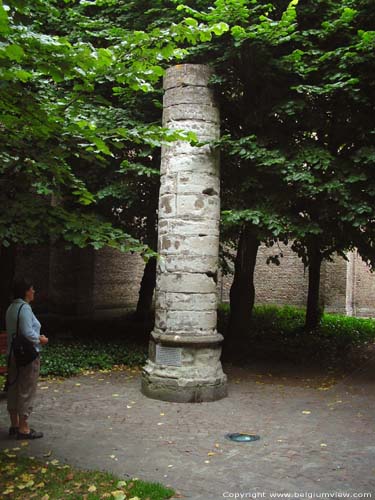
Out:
{"x": 7, "y": 269}
{"x": 146, "y": 292}
{"x": 314, "y": 308}
{"x": 242, "y": 292}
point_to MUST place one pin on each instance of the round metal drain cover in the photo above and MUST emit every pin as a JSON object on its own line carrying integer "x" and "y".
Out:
{"x": 240, "y": 437}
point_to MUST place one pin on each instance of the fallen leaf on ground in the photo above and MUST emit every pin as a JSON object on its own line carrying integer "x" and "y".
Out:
{"x": 118, "y": 495}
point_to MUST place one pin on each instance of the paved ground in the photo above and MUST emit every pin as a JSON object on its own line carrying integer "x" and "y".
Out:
{"x": 315, "y": 437}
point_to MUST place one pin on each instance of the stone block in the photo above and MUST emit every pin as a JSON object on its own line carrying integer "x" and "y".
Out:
{"x": 185, "y": 282}
{"x": 191, "y": 182}
{"x": 167, "y": 206}
{"x": 188, "y": 245}
{"x": 188, "y": 95}
{"x": 198, "y": 206}
{"x": 198, "y": 112}
{"x": 168, "y": 184}
{"x": 201, "y": 128}
{"x": 189, "y": 227}
{"x": 179, "y": 148}
{"x": 178, "y": 159}
{"x": 182, "y": 75}
{"x": 177, "y": 320}
{"x": 198, "y": 264}
{"x": 186, "y": 301}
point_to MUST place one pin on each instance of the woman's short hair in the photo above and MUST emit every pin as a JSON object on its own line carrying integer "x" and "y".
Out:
{"x": 20, "y": 287}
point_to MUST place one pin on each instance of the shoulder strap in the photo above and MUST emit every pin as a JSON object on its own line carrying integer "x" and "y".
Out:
{"x": 18, "y": 318}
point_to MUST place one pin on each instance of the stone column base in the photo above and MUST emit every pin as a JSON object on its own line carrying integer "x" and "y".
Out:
{"x": 199, "y": 378}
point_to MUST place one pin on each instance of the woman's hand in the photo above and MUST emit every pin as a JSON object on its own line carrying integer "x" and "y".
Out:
{"x": 43, "y": 339}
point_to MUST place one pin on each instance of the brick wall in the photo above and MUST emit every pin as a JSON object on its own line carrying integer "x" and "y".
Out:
{"x": 106, "y": 282}
{"x": 334, "y": 286}
{"x": 363, "y": 283}
{"x": 283, "y": 284}
{"x": 93, "y": 282}
{"x": 346, "y": 287}
{"x": 117, "y": 278}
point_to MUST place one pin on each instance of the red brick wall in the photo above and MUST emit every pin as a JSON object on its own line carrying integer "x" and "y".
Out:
{"x": 88, "y": 282}
{"x": 363, "y": 296}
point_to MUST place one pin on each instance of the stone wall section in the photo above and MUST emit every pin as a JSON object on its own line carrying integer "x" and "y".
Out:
{"x": 117, "y": 279}
{"x": 278, "y": 285}
{"x": 347, "y": 287}
{"x": 334, "y": 286}
{"x": 363, "y": 285}
{"x": 90, "y": 282}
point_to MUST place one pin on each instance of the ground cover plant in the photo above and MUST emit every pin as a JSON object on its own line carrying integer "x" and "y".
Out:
{"x": 273, "y": 330}
{"x": 67, "y": 359}
{"x": 25, "y": 477}
{"x": 273, "y": 333}
{"x": 280, "y": 332}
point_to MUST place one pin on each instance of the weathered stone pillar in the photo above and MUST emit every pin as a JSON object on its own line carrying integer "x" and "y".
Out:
{"x": 184, "y": 355}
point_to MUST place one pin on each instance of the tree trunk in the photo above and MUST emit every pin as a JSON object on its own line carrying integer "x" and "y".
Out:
{"x": 146, "y": 292}
{"x": 7, "y": 269}
{"x": 242, "y": 292}
{"x": 314, "y": 309}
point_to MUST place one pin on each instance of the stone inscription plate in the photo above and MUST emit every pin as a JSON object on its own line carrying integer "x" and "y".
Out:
{"x": 170, "y": 356}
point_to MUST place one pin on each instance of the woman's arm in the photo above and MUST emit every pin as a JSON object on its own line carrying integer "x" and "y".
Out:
{"x": 26, "y": 324}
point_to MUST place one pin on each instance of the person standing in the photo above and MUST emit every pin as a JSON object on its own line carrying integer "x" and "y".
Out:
{"x": 22, "y": 380}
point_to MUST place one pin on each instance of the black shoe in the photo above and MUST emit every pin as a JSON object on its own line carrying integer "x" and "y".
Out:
{"x": 13, "y": 431}
{"x": 30, "y": 435}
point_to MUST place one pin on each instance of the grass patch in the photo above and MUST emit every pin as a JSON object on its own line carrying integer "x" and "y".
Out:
{"x": 24, "y": 477}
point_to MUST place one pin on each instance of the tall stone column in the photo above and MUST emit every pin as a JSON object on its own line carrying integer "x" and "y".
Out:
{"x": 185, "y": 347}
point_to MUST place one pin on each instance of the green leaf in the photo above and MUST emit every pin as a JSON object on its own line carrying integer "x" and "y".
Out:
{"x": 15, "y": 52}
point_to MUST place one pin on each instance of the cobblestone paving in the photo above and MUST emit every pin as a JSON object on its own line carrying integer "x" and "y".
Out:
{"x": 317, "y": 434}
